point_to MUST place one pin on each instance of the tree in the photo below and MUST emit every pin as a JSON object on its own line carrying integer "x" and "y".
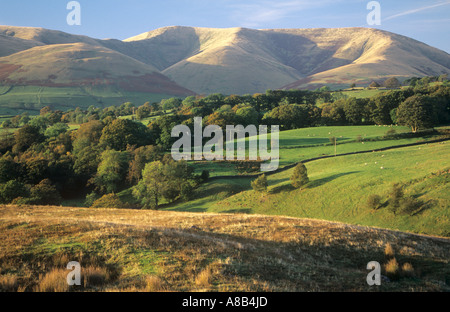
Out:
{"x": 45, "y": 193}
{"x": 11, "y": 190}
{"x": 56, "y": 130}
{"x": 123, "y": 132}
{"x": 168, "y": 180}
{"x": 289, "y": 116}
{"x": 111, "y": 171}
{"x": 392, "y": 83}
{"x": 374, "y": 84}
{"x": 27, "y": 136}
{"x": 299, "y": 177}
{"x": 142, "y": 156}
{"x": 417, "y": 112}
{"x": 149, "y": 189}
{"x": 260, "y": 184}
{"x": 247, "y": 115}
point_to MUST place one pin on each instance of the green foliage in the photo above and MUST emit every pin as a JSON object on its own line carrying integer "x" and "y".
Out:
{"x": 374, "y": 202}
{"x": 168, "y": 180}
{"x": 11, "y": 190}
{"x": 260, "y": 184}
{"x": 392, "y": 83}
{"x": 417, "y": 112}
{"x": 121, "y": 133}
{"x": 299, "y": 176}
{"x": 45, "y": 193}
{"x": 111, "y": 171}
{"x": 27, "y": 136}
{"x": 56, "y": 130}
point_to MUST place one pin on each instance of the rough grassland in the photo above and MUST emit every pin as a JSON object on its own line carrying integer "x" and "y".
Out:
{"x": 138, "y": 250}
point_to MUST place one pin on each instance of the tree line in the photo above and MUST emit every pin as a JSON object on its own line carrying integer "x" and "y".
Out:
{"x": 45, "y": 160}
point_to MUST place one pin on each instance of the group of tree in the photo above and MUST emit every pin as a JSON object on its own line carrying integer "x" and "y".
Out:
{"x": 108, "y": 153}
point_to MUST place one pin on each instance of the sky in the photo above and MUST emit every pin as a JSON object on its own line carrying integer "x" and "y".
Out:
{"x": 425, "y": 20}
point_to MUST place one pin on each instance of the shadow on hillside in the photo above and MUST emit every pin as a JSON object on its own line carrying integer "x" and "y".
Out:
{"x": 320, "y": 182}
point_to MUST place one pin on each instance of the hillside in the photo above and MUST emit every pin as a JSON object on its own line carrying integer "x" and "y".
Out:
{"x": 138, "y": 250}
{"x": 207, "y": 60}
{"x": 240, "y": 60}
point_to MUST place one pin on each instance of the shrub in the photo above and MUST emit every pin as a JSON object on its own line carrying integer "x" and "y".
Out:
{"x": 94, "y": 276}
{"x": 153, "y": 284}
{"x": 396, "y": 194}
{"x": 108, "y": 201}
{"x": 260, "y": 184}
{"x": 45, "y": 193}
{"x": 203, "y": 279}
{"x": 389, "y": 251}
{"x": 409, "y": 205}
{"x": 8, "y": 283}
{"x": 53, "y": 281}
{"x": 374, "y": 202}
{"x": 299, "y": 177}
{"x": 408, "y": 270}
{"x": 392, "y": 269}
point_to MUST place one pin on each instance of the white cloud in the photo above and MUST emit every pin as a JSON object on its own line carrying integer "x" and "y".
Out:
{"x": 416, "y": 10}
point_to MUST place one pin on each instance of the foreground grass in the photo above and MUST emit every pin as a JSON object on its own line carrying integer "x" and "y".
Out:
{"x": 135, "y": 250}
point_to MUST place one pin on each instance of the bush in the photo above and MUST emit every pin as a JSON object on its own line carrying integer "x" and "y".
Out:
{"x": 299, "y": 177}
{"x": 45, "y": 193}
{"x": 408, "y": 270}
{"x": 409, "y": 205}
{"x": 11, "y": 190}
{"x": 260, "y": 184}
{"x": 396, "y": 194}
{"x": 389, "y": 251}
{"x": 374, "y": 202}
{"x": 392, "y": 269}
{"x": 108, "y": 201}
{"x": 53, "y": 281}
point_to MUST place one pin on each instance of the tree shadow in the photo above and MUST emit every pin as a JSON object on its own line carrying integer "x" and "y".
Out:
{"x": 282, "y": 188}
{"x": 320, "y": 182}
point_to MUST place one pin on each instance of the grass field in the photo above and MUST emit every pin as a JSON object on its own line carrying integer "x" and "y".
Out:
{"x": 138, "y": 250}
{"x": 339, "y": 189}
{"x": 18, "y": 99}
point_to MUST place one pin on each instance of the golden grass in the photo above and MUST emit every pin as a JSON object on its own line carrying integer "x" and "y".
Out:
{"x": 136, "y": 250}
{"x": 53, "y": 281}
{"x": 8, "y": 283}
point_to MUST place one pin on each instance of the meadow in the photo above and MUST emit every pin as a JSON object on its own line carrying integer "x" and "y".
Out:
{"x": 142, "y": 250}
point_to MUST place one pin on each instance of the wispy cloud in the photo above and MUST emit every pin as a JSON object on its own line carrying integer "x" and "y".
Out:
{"x": 416, "y": 10}
{"x": 258, "y": 13}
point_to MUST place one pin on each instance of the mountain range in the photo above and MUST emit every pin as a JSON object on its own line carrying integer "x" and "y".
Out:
{"x": 181, "y": 61}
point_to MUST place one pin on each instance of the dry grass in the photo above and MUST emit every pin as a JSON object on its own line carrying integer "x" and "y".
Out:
{"x": 8, "y": 283}
{"x": 408, "y": 270}
{"x": 131, "y": 250}
{"x": 392, "y": 269}
{"x": 389, "y": 251}
{"x": 53, "y": 281}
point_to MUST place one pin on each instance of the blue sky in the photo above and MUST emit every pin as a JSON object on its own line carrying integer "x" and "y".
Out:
{"x": 427, "y": 21}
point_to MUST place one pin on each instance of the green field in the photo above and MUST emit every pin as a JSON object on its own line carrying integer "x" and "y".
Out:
{"x": 18, "y": 99}
{"x": 339, "y": 188}
{"x": 301, "y": 144}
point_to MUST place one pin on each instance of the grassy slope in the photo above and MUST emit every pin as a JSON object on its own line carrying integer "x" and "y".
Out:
{"x": 135, "y": 250}
{"x": 30, "y": 98}
{"x": 339, "y": 188}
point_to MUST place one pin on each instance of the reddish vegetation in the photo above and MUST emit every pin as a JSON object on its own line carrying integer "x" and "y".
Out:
{"x": 7, "y": 69}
